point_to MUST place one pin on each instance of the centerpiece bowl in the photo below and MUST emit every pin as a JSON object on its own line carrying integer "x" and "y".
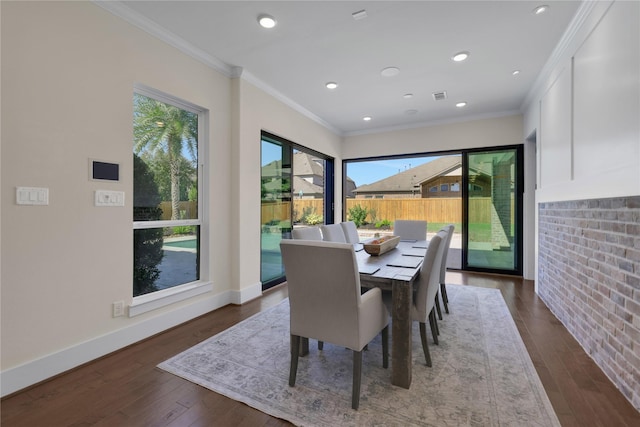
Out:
{"x": 380, "y": 245}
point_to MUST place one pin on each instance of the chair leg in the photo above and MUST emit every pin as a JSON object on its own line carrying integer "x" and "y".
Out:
{"x": 437, "y": 305}
{"x": 295, "y": 351}
{"x": 425, "y": 346}
{"x": 304, "y": 346}
{"x": 445, "y": 298}
{"x": 357, "y": 375}
{"x": 434, "y": 327}
{"x": 385, "y": 347}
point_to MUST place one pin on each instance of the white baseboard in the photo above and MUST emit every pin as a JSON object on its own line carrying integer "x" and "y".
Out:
{"x": 246, "y": 294}
{"x": 33, "y": 372}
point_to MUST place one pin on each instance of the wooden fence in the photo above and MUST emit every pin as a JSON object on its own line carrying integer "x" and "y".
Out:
{"x": 189, "y": 209}
{"x": 441, "y": 210}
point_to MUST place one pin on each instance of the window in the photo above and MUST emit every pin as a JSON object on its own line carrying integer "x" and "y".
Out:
{"x": 167, "y": 201}
{"x": 455, "y": 186}
{"x": 296, "y": 183}
{"x": 444, "y": 187}
{"x": 433, "y": 189}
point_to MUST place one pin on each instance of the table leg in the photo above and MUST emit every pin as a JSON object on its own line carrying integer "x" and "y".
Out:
{"x": 401, "y": 333}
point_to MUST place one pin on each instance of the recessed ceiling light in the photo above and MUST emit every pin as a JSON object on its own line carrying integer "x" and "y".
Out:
{"x": 461, "y": 104}
{"x": 331, "y": 85}
{"x": 541, "y": 9}
{"x": 411, "y": 112}
{"x": 390, "y": 71}
{"x": 267, "y": 21}
{"x": 361, "y": 14}
{"x": 460, "y": 56}
{"x": 367, "y": 118}
{"x": 407, "y": 95}
{"x": 515, "y": 72}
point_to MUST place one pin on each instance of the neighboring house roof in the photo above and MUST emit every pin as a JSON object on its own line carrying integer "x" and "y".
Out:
{"x": 305, "y": 186}
{"x": 308, "y": 188}
{"x": 410, "y": 179}
{"x": 304, "y": 164}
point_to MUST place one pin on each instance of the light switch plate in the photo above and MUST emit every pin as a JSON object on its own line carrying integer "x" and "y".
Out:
{"x": 109, "y": 198}
{"x": 32, "y": 196}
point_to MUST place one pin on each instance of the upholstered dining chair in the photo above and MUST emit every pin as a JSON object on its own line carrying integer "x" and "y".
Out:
{"x": 306, "y": 233}
{"x": 410, "y": 229}
{"x": 427, "y": 285}
{"x": 443, "y": 269}
{"x": 350, "y": 231}
{"x": 333, "y": 233}
{"x": 326, "y": 304}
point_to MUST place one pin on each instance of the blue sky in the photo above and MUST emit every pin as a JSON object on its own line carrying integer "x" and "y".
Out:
{"x": 361, "y": 172}
{"x": 371, "y": 171}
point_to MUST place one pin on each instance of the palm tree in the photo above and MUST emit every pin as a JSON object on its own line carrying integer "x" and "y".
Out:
{"x": 162, "y": 127}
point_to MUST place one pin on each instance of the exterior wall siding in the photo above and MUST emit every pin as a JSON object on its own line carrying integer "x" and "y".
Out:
{"x": 589, "y": 277}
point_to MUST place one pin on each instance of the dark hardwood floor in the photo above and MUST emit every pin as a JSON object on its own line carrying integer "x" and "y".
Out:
{"x": 126, "y": 389}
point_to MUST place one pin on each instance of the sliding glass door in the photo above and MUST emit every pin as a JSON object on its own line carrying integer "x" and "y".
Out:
{"x": 295, "y": 184}
{"x": 492, "y": 226}
{"x": 275, "y": 215}
{"x": 479, "y": 191}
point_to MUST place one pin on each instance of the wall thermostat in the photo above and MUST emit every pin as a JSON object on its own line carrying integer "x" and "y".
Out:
{"x": 104, "y": 171}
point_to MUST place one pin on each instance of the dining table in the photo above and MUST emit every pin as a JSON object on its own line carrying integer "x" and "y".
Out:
{"x": 396, "y": 271}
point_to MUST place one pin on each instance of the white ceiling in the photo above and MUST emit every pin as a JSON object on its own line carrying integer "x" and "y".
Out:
{"x": 319, "y": 41}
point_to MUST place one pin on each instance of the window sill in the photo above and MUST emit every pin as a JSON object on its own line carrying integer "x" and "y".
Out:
{"x": 146, "y": 303}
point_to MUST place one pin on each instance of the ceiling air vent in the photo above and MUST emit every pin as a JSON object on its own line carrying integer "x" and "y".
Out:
{"x": 439, "y": 96}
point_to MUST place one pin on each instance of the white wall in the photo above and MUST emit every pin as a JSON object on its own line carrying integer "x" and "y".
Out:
{"x": 68, "y": 74}
{"x": 586, "y": 110}
{"x": 454, "y": 136}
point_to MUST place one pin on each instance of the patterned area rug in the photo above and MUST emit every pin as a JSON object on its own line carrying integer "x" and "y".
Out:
{"x": 481, "y": 374}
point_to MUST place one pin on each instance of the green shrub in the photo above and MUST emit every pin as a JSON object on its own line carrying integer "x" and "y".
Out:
{"x": 184, "y": 229}
{"x": 358, "y": 215}
{"x": 385, "y": 223}
{"x": 313, "y": 219}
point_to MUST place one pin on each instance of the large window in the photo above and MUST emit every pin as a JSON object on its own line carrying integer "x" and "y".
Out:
{"x": 167, "y": 213}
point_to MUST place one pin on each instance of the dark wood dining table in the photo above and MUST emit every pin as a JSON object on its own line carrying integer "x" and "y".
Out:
{"x": 396, "y": 271}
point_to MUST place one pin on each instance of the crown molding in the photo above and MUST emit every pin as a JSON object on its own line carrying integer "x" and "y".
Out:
{"x": 149, "y": 26}
{"x": 250, "y": 78}
{"x": 563, "y": 49}
{"x": 462, "y": 119}
{"x": 122, "y": 11}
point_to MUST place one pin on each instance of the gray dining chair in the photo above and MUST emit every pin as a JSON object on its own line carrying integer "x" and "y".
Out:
{"x": 427, "y": 285}
{"x": 306, "y": 233}
{"x": 333, "y": 233}
{"x": 326, "y": 304}
{"x": 350, "y": 231}
{"x": 410, "y": 229}
{"x": 443, "y": 270}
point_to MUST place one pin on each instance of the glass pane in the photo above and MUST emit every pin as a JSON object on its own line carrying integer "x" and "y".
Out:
{"x": 492, "y": 215}
{"x": 415, "y": 188}
{"x": 165, "y": 257}
{"x": 275, "y": 218}
{"x": 165, "y": 151}
{"x": 308, "y": 189}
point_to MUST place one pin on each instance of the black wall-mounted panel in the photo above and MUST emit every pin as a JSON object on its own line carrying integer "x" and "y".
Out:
{"x": 105, "y": 171}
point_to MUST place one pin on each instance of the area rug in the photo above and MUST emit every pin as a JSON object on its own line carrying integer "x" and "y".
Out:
{"x": 481, "y": 374}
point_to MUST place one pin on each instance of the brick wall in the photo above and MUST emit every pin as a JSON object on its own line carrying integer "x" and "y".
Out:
{"x": 589, "y": 277}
